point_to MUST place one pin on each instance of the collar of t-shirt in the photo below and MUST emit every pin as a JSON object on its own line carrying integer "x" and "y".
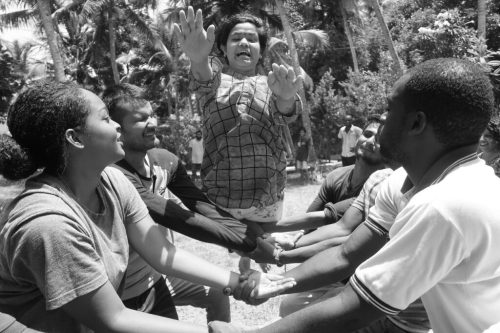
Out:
{"x": 439, "y": 170}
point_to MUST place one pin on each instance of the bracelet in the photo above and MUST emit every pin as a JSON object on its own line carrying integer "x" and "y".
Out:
{"x": 277, "y": 254}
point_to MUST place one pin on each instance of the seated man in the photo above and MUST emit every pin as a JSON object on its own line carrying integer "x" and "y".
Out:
{"x": 441, "y": 245}
{"x": 156, "y": 174}
{"x": 344, "y": 184}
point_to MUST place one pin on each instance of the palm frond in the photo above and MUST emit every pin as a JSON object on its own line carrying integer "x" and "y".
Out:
{"x": 18, "y": 18}
{"x": 91, "y": 8}
{"x": 317, "y": 39}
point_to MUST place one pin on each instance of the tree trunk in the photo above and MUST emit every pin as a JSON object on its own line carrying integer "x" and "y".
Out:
{"x": 112, "y": 42}
{"x": 387, "y": 37}
{"x": 347, "y": 29}
{"x": 48, "y": 27}
{"x": 481, "y": 19}
{"x": 306, "y": 121}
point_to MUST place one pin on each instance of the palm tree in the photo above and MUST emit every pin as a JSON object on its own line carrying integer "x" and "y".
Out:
{"x": 41, "y": 8}
{"x": 348, "y": 32}
{"x": 481, "y": 19}
{"x": 387, "y": 36}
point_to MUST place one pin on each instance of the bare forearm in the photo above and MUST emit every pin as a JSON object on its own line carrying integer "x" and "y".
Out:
{"x": 329, "y": 232}
{"x": 187, "y": 266}
{"x": 343, "y": 313}
{"x": 202, "y": 71}
{"x": 305, "y": 252}
{"x": 136, "y": 321}
{"x": 298, "y": 222}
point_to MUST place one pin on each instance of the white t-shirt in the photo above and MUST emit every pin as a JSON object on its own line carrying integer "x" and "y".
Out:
{"x": 442, "y": 248}
{"x": 349, "y": 140}
{"x": 196, "y": 151}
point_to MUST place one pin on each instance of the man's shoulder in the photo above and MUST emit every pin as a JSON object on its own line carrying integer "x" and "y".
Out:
{"x": 339, "y": 174}
{"x": 161, "y": 156}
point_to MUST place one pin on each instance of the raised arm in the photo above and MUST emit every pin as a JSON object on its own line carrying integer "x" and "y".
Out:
{"x": 196, "y": 42}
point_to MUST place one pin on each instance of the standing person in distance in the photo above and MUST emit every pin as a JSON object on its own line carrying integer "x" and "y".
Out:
{"x": 302, "y": 155}
{"x": 349, "y": 134}
{"x": 196, "y": 154}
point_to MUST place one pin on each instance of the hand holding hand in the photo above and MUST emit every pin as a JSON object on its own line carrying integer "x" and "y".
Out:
{"x": 195, "y": 41}
{"x": 284, "y": 240}
{"x": 264, "y": 251}
{"x": 255, "y": 287}
{"x": 283, "y": 82}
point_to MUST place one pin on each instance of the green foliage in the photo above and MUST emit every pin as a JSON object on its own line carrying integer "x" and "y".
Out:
{"x": 10, "y": 81}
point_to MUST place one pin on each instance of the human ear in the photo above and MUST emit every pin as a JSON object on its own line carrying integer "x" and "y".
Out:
{"x": 73, "y": 138}
{"x": 418, "y": 122}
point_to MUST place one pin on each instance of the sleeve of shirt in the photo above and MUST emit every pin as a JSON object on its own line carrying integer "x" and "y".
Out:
{"x": 57, "y": 254}
{"x": 412, "y": 262}
{"x": 339, "y": 134}
{"x": 382, "y": 214}
{"x": 359, "y": 202}
{"x": 319, "y": 201}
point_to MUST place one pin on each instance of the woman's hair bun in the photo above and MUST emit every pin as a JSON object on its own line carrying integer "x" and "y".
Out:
{"x": 15, "y": 162}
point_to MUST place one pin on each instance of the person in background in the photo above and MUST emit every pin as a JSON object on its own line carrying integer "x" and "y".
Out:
{"x": 349, "y": 134}
{"x": 489, "y": 145}
{"x": 196, "y": 154}
{"x": 302, "y": 155}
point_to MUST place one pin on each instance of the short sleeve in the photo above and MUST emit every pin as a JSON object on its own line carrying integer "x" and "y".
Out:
{"x": 412, "y": 262}
{"x": 57, "y": 255}
{"x": 359, "y": 202}
{"x": 382, "y": 214}
{"x": 339, "y": 134}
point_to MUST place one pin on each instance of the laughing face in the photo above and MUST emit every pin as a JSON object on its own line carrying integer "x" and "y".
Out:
{"x": 243, "y": 48}
{"x": 367, "y": 147}
{"x": 138, "y": 129}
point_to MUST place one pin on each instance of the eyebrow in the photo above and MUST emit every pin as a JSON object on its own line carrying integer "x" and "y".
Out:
{"x": 238, "y": 34}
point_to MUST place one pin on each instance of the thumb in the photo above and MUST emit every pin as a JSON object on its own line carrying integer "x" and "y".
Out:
{"x": 211, "y": 34}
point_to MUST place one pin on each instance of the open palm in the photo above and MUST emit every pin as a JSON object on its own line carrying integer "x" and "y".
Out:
{"x": 195, "y": 41}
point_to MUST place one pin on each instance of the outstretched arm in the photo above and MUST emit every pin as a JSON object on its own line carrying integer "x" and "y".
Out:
{"x": 102, "y": 311}
{"x": 196, "y": 42}
{"x": 337, "y": 263}
{"x": 149, "y": 240}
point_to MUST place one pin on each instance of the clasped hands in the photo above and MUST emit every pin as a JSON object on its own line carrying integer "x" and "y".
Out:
{"x": 256, "y": 287}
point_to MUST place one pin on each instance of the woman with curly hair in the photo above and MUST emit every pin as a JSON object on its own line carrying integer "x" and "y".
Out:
{"x": 489, "y": 145}
{"x": 64, "y": 241}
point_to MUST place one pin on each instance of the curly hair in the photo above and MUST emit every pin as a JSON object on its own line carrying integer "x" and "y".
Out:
{"x": 455, "y": 95}
{"x": 228, "y": 24}
{"x": 38, "y": 120}
{"x": 120, "y": 97}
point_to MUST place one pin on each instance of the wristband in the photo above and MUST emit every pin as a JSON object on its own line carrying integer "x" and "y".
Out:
{"x": 227, "y": 291}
